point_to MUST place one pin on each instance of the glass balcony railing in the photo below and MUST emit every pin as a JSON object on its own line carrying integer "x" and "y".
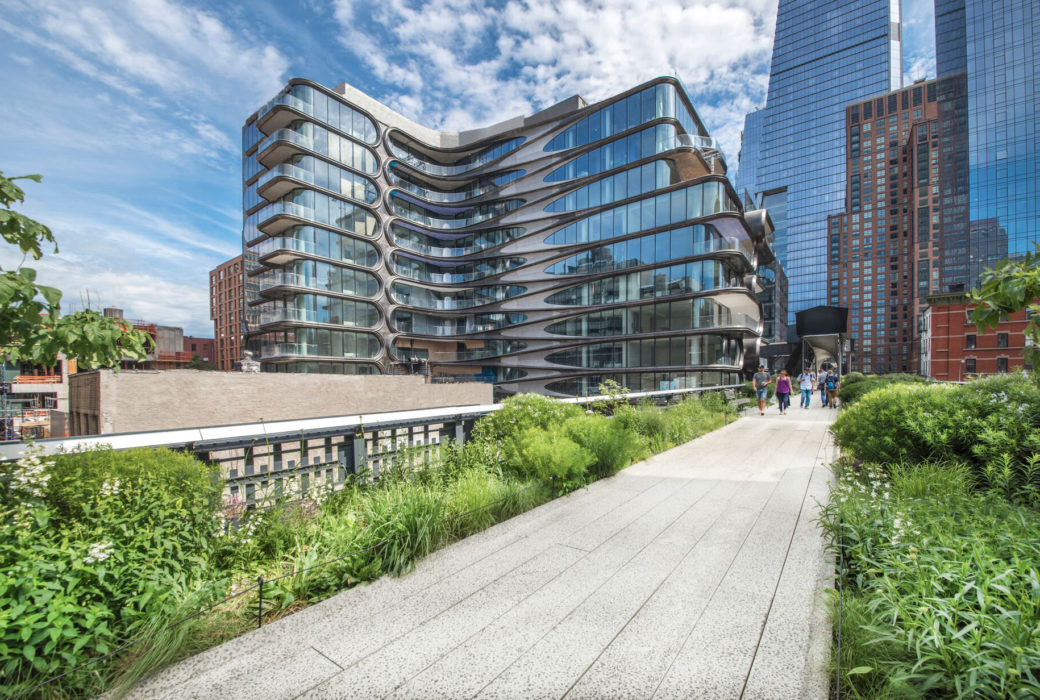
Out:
{"x": 286, "y": 170}
{"x": 271, "y": 245}
{"x": 268, "y": 316}
{"x": 278, "y": 208}
{"x": 431, "y": 195}
{"x": 290, "y": 136}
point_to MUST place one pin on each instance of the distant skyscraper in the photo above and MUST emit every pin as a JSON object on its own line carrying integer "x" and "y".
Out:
{"x": 989, "y": 71}
{"x": 826, "y": 55}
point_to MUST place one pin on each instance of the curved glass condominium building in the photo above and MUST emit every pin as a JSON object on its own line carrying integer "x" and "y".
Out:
{"x": 545, "y": 253}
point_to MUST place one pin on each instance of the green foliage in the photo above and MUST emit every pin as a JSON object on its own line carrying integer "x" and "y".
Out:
{"x": 94, "y": 545}
{"x": 518, "y": 413}
{"x": 852, "y": 378}
{"x": 940, "y": 585}
{"x": 1014, "y": 285}
{"x": 613, "y": 445}
{"x": 992, "y": 426}
{"x": 852, "y": 389}
{"x": 32, "y": 328}
{"x": 678, "y": 423}
{"x": 549, "y": 454}
{"x": 616, "y": 394}
{"x": 197, "y": 362}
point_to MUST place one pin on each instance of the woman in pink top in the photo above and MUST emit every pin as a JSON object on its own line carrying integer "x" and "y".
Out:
{"x": 783, "y": 392}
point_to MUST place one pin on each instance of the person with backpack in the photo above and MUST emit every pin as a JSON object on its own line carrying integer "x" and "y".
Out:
{"x": 832, "y": 384}
{"x": 822, "y": 386}
{"x": 783, "y": 392}
{"x": 806, "y": 384}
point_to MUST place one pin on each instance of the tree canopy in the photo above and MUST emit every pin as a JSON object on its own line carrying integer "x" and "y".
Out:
{"x": 1013, "y": 286}
{"x": 32, "y": 328}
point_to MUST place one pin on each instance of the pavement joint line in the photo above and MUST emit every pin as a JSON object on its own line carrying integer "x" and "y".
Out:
{"x": 716, "y": 588}
{"x": 607, "y": 579}
{"x": 444, "y": 610}
{"x": 776, "y": 587}
{"x": 664, "y": 579}
{"x": 547, "y": 582}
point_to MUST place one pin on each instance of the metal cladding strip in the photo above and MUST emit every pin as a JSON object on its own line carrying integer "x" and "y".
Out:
{"x": 222, "y": 436}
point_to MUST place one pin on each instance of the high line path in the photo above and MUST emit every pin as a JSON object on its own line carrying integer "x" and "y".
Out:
{"x": 699, "y": 572}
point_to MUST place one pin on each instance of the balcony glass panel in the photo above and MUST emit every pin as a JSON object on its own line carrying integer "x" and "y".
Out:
{"x": 420, "y": 161}
{"x": 316, "y": 308}
{"x": 448, "y": 273}
{"x": 588, "y": 385}
{"x": 678, "y": 315}
{"x": 323, "y": 209}
{"x": 318, "y": 342}
{"x": 628, "y": 183}
{"x": 674, "y": 280}
{"x": 325, "y": 109}
{"x": 483, "y": 350}
{"x": 317, "y": 172}
{"x": 428, "y": 324}
{"x": 675, "y": 207}
{"x": 447, "y": 218}
{"x": 323, "y": 243}
{"x": 654, "y": 352}
{"x": 642, "y": 144}
{"x": 447, "y": 245}
{"x": 675, "y": 244}
{"x": 447, "y": 301}
{"x": 655, "y": 102}
{"x": 326, "y": 143}
{"x": 314, "y": 274}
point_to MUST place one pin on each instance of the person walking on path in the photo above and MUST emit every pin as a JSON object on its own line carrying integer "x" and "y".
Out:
{"x": 832, "y": 384}
{"x": 783, "y": 392}
{"x": 806, "y": 384}
{"x": 823, "y": 389}
{"x": 761, "y": 381}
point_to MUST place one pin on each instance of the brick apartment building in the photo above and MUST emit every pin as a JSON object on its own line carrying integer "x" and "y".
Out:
{"x": 951, "y": 347}
{"x": 887, "y": 250}
{"x": 226, "y": 304}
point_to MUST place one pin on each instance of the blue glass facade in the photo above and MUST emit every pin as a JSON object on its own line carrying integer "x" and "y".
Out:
{"x": 1003, "y": 113}
{"x": 825, "y": 55}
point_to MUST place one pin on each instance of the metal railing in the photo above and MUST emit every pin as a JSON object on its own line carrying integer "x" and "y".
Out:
{"x": 31, "y": 379}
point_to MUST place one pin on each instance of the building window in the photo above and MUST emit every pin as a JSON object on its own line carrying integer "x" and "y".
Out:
{"x": 969, "y": 343}
{"x": 969, "y": 365}
{"x": 1002, "y": 365}
{"x": 1002, "y": 342}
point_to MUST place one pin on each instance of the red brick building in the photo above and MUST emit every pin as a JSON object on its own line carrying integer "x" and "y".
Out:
{"x": 226, "y": 308}
{"x": 951, "y": 347}
{"x": 205, "y": 348}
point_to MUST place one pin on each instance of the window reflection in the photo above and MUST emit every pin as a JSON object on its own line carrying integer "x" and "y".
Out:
{"x": 673, "y": 280}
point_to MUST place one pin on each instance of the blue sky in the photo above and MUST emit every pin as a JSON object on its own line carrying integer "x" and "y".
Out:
{"x": 133, "y": 110}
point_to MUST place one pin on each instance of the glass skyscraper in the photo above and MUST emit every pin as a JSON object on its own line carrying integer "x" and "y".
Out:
{"x": 826, "y": 54}
{"x": 545, "y": 253}
{"x": 989, "y": 71}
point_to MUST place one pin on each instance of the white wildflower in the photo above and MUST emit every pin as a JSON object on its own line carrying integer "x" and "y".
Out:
{"x": 98, "y": 553}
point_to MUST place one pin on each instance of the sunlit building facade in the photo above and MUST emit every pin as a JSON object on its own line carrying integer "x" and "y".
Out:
{"x": 545, "y": 253}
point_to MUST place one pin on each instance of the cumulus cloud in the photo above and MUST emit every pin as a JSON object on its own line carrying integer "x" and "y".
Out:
{"x": 458, "y": 64}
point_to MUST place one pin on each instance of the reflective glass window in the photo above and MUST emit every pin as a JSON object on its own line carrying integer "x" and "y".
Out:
{"x": 628, "y": 183}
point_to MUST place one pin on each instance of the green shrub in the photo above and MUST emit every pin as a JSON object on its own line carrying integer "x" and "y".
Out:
{"x": 613, "y": 445}
{"x": 93, "y": 545}
{"x": 852, "y": 378}
{"x": 549, "y": 454}
{"x": 409, "y": 519}
{"x": 518, "y": 413}
{"x": 992, "y": 426}
{"x": 850, "y": 391}
{"x": 940, "y": 586}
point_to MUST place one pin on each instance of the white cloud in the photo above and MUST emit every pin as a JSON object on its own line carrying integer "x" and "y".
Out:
{"x": 458, "y": 64}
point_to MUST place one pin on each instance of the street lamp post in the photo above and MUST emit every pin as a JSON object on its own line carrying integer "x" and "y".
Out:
{"x": 960, "y": 369}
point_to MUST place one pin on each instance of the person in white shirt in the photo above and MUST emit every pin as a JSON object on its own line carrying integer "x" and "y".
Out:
{"x": 806, "y": 382}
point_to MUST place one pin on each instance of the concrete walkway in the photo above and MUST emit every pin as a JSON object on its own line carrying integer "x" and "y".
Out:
{"x": 697, "y": 573}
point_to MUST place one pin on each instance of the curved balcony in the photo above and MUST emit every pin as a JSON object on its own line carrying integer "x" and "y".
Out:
{"x": 414, "y": 240}
{"x": 277, "y": 284}
{"x": 414, "y": 323}
{"x": 283, "y": 178}
{"x": 421, "y": 271}
{"x": 419, "y": 297}
{"x": 438, "y": 196}
{"x": 323, "y": 108}
{"x": 416, "y": 159}
{"x": 417, "y": 213}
